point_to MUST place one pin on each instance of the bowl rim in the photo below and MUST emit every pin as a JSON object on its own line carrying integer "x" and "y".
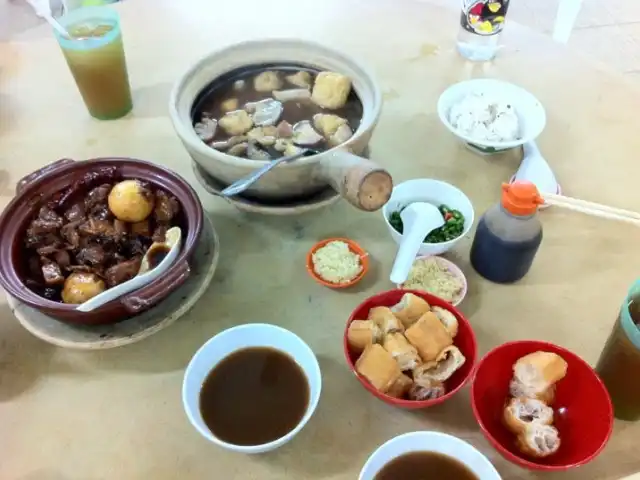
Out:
{"x": 498, "y": 145}
{"x": 453, "y": 269}
{"x": 25, "y": 295}
{"x": 518, "y": 460}
{"x": 449, "y": 243}
{"x": 278, "y": 442}
{"x": 399, "y": 402}
{"x": 193, "y": 142}
{"x": 354, "y": 247}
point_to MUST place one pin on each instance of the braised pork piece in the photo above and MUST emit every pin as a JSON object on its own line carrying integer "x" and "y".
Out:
{"x": 80, "y": 244}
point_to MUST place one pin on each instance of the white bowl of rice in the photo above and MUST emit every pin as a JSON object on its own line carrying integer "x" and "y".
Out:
{"x": 491, "y": 115}
{"x": 437, "y": 276}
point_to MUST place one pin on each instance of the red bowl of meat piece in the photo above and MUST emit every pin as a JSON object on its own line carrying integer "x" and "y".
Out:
{"x": 57, "y": 187}
{"x": 582, "y": 411}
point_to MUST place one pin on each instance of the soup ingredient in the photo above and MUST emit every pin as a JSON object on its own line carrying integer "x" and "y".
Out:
{"x": 430, "y": 275}
{"x": 619, "y": 357}
{"x": 229, "y": 105}
{"x": 429, "y": 337}
{"x": 294, "y": 95}
{"x": 305, "y": 135}
{"x": 336, "y": 263}
{"x": 402, "y": 351}
{"x": 448, "y": 319}
{"x": 131, "y": 201}
{"x": 267, "y": 81}
{"x": 265, "y": 136}
{"x": 425, "y": 464}
{"x": 238, "y": 149}
{"x": 82, "y": 286}
{"x": 284, "y": 130}
{"x": 300, "y": 79}
{"x": 386, "y": 320}
{"x": 328, "y": 123}
{"x": 452, "y": 228}
{"x": 539, "y": 440}
{"x": 254, "y": 152}
{"x": 265, "y": 112}
{"x": 521, "y": 412}
{"x": 343, "y": 134}
{"x": 76, "y": 232}
{"x": 483, "y": 117}
{"x": 410, "y": 308}
{"x": 206, "y": 129}
{"x": 362, "y": 333}
{"x": 232, "y": 141}
{"x": 331, "y": 90}
{"x": 445, "y": 365}
{"x": 236, "y": 122}
{"x": 378, "y": 367}
{"x": 254, "y": 396}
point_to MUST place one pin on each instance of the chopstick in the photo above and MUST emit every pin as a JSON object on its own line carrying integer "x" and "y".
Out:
{"x": 593, "y": 209}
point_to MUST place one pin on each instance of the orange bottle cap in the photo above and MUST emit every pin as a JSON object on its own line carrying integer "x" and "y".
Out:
{"x": 521, "y": 198}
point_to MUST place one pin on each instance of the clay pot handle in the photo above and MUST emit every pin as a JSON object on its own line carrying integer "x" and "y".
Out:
{"x": 136, "y": 302}
{"x": 361, "y": 182}
{"x": 27, "y": 180}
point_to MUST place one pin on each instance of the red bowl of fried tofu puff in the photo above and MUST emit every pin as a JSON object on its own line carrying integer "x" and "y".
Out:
{"x": 409, "y": 348}
{"x": 541, "y": 406}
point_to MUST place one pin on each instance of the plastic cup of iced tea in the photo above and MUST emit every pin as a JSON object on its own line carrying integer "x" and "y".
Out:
{"x": 95, "y": 55}
{"x": 619, "y": 361}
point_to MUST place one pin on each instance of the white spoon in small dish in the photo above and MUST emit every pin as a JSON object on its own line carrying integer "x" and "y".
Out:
{"x": 418, "y": 220}
{"x": 156, "y": 261}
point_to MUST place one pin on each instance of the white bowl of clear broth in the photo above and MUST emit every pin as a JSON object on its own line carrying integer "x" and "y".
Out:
{"x": 252, "y": 388}
{"x": 455, "y": 206}
{"x": 231, "y": 111}
{"x": 428, "y": 454}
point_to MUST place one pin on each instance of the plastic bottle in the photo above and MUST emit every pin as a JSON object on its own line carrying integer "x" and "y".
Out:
{"x": 508, "y": 235}
{"x": 481, "y": 22}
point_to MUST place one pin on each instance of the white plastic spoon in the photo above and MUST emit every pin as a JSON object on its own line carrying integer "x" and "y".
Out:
{"x": 146, "y": 274}
{"x": 535, "y": 169}
{"x": 418, "y": 219}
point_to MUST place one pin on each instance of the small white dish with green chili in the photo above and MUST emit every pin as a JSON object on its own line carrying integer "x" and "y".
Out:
{"x": 455, "y": 206}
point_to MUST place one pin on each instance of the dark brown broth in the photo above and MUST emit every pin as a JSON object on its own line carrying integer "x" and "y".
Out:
{"x": 425, "y": 466}
{"x": 156, "y": 255}
{"x": 254, "y": 396}
{"x": 210, "y": 99}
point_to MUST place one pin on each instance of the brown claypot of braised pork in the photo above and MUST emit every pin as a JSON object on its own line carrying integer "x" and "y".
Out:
{"x": 35, "y": 189}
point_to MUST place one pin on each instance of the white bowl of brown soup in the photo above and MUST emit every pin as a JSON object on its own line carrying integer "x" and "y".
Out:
{"x": 427, "y": 454}
{"x": 252, "y": 388}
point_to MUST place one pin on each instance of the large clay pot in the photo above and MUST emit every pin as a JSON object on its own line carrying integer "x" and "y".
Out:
{"x": 36, "y": 188}
{"x": 360, "y": 181}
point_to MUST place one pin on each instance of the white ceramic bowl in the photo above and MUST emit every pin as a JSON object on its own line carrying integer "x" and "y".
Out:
{"x": 435, "y": 192}
{"x": 431, "y": 442}
{"x": 237, "y": 338}
{"x": 530, "y": 111}
{"x": 454, "y": 269}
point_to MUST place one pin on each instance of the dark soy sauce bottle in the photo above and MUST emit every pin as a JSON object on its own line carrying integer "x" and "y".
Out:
{"x": 508, "y": 235}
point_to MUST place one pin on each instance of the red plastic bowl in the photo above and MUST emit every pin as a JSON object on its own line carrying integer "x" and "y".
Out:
{"x": 465, "y": 340}
{"x": 583, "y": 411}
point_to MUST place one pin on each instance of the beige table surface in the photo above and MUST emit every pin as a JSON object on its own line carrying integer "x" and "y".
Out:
{"x": 67, "y": 415}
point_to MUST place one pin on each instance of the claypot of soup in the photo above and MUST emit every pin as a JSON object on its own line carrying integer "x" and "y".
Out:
{"x": 257, "y": 101}
{"x": 76, "y": 229}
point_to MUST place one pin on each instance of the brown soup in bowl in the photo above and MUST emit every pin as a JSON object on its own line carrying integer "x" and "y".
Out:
{"x": 266, "y": 111}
